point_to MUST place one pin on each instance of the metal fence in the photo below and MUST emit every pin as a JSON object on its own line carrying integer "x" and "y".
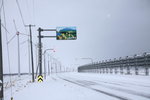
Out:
{"x": 137, "y": 64}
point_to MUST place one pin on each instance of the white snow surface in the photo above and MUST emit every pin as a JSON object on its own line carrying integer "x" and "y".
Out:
{"x": 79, "y": 86}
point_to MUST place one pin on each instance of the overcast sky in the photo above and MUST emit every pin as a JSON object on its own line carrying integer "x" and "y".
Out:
{"x": 106, "y": 29}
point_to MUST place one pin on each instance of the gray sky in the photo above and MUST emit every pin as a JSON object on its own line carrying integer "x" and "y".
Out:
{"x": 105, "y": 28}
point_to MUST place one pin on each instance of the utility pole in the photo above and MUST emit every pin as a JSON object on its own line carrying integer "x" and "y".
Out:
{"x": 31, "y": 49}
{"x": 29, "y": 56}
{"x": 18, "y": 55}
{"x": 1, "y": 66}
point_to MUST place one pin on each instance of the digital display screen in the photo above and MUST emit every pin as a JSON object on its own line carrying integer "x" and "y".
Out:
{"x": 66, "y": 33}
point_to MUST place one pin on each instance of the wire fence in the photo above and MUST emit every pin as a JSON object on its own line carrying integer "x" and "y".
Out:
{"x": 137, "y": 64}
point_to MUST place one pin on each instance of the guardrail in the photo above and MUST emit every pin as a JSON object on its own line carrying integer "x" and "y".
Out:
{"x": 137, "y": 64}
{"x": 13, "y": 74}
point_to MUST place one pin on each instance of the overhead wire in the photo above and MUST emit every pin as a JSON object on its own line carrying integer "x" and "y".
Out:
{"x": 20, "y": 12}
{"x": 1, "y": 8}
{"x": 34, "y": 20}
{"x": 29, "y": 13}
{"x": 8, "y": 41}
{"x": 25, "y": 29}
{"x": 15, "y": 25}
{"x": 13, "y": 35}
{"x": 21, "y": 33}
{"x": 24, "y": 34}
{"x": 23, "y": 42}
{"x": 7, "y": 32}
{"x": 7, "y": 48}
{"x": 5, "y": 28}
{"x": 11, "y": 39}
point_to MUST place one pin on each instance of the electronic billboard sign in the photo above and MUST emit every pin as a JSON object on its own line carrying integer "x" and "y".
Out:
{"x": 66, "y": 33}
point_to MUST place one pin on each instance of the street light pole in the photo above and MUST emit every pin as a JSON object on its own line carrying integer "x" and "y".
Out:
{"x": 60, "y": 66}
{"x": 18, "y": 55}
{"x": 45, "y": 62}
{"x": 48, "y": 66}
{"x": 56, "y": 65}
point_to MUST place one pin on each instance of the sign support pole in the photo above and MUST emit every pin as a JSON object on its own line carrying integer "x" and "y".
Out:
{"x": 40, "y": 47}
{"x": 40, "y": 52}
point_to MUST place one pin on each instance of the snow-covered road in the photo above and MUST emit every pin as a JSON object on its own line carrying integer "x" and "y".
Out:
{"x": 117, "y": 86}
{"x": 83, "y": 86}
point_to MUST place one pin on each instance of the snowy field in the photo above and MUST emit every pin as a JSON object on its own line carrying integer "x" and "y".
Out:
{"x": 79, "y": 86}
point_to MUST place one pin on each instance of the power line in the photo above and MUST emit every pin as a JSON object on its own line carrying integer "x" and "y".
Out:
{"x": 34, "y": 12}
{"x": 5, "y": 28}
{"x": 24, "y": 34}
{"x": 24, "y": 27}
{"x": 20, "y": 12}
{"x": 27, "y": 41}
{"x": 8, "y": 41}
{"x": 7, "y": 47}
{"x": 11, "y": 39}
{"x": 4, "y": 19}
{"x": 29, "y": 13}
{"x": 15, "y": 26}
{"x": 23, "y": 42}
{"x": 1, "y": 7}
{"x": 13, "y": 35}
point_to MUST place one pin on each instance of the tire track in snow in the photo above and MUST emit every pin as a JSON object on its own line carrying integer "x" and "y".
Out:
{"x": 123, "y": 84}
{"x": 99, "y": 91}
{"x": 123, "y": 90}
{"x": 88, "y": 83}
{"x": 53, "y": 78}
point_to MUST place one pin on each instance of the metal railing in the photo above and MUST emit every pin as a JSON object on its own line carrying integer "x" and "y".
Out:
{"x": 137, "y": 64}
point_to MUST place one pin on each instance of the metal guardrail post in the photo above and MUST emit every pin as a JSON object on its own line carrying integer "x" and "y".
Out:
{"x": 145, "y": 64}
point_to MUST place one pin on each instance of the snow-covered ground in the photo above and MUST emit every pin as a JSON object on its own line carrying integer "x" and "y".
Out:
{"x": 80, "y": 86}
{"x": 16, "y": 85}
